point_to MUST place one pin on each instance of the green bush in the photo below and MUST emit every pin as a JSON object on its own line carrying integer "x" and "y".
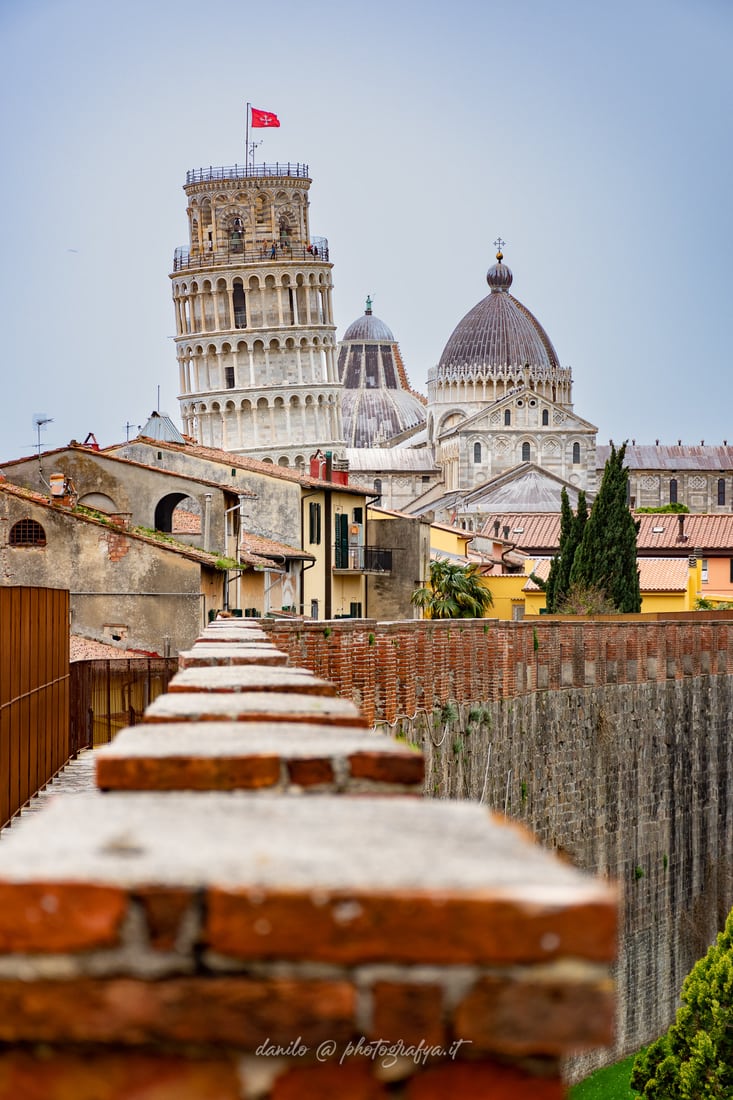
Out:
{"x": 694, "y": 1059}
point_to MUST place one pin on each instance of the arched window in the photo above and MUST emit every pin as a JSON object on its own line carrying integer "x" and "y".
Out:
{"x": 240, "y": 306}
{"x": 378, "y": 485}
{"x": 477, "y": 452}
{"x": 507, "y": 416}
{"x": 721, "y": 490}
{"x": 545, "y": 418}
{"x": 673, "y": 491}
{"x": 525, "y": 452}
{"x": 26, "y": 532}
{"x": 576, "y": 453}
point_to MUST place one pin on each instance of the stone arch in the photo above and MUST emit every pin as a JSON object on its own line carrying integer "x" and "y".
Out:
{"x": 99, "y": 501}
{"x": 164, "y": 510}
{"x": 449, "y": 419}
{"x": 27, "y": 532}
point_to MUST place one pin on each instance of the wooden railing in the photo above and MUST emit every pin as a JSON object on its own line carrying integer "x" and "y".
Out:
{"x": 34, "y": 692}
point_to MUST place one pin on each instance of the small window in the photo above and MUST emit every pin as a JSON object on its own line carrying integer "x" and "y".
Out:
{"x": 673, "y": 491}
{"x": 731, "y": 570}
{"x": 477, "y": 452}
{"x": 229, "y": 371}
{"x": 525, "y": 452}
{"x": 507, "y": 416}
{"x": 704, "y": 574}
{"x": 26, "y": 532}
{"x": 576, "y": 453}
{"x": 545, "y": 418}
{"x": 378, "y": 485}
{"x": 721, "y": 490}
{"x": 358, "y": 515}
{"x": 314, "y": 526}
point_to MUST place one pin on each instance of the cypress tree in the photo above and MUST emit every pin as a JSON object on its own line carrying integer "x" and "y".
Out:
{"x": 606, "y": 556}
{"x": 571, "y": 533}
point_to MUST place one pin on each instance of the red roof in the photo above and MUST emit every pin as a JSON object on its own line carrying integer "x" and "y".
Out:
{"x": 539, "y": 532}
{"x": 655, "y": 574}
{"x": 242, "y": 462}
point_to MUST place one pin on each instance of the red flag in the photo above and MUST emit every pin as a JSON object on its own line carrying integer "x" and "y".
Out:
{"x": 264, "y": 118}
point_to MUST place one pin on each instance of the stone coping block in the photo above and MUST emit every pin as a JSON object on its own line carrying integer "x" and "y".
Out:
{"x": 235, "y": 653}
{"x": 236, "y": 757}
{"x": 327, "y": 879}
{"x": 253, "y": 706}
{"x": 212, "y": 636}
{"x": 250, "y": 678}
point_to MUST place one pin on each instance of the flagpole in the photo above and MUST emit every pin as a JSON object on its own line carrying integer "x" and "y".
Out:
{"x": 246, "y": 144}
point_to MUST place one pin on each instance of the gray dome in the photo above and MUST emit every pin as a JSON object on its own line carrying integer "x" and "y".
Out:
{"x": 499, "y": 333}
{"x": 372, "y": 417}
{"x": 369, "y": 327}
{"x": 377, "y": 403}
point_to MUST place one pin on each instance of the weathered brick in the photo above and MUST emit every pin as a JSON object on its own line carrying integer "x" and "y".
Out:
{"x": 357, "y": 927}
{"x": 487, "y": 1080}
{"x": 59, "y": 916}
{"x": 310, "y": 772}
{"x": 114, "y": 1075}
{"x": 408, "y": 1012}
{"x": 187, "y": 773}
{"x": 234, "y": 1011}
{"x": 164, "y": 909}
{"x": 396, "y": 768}
{"x": 543, "y": 1016}
{"x": 328, "y": 1082}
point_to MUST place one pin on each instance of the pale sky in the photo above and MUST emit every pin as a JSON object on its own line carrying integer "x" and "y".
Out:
{"x": 595, "y": 139}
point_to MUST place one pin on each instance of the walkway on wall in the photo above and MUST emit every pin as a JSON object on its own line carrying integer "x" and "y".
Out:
{"x": 257, "y": 869}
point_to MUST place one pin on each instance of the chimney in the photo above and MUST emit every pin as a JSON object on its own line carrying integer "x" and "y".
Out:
{"x": 681, "y": 527}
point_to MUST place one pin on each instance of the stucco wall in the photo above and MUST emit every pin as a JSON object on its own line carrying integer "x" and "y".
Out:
{"x": 122, "y": 589}
{"x": 276, "y": 511}
{"x": 388, "y": 595}
{"x": 130, "y": 488}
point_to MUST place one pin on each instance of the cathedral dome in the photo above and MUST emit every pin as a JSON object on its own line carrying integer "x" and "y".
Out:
{"x": 377, "y": 403}
{"x": 499, "y": 334}
{"x": 369, "y": 328}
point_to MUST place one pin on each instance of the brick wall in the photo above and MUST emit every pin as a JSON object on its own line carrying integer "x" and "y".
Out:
{"x": 256, "y": 903}
{"x": 609, "y": 739}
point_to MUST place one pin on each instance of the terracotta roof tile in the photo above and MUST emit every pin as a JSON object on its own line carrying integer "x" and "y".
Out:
{"x": 241, "y": 462}
{"x": 655, "y": 574}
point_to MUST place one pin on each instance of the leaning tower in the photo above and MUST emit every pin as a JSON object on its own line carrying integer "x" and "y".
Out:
{"x": 255, "y": 337}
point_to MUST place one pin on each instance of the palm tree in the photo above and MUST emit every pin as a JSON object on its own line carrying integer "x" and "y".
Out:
{"x": 454, "y": 592}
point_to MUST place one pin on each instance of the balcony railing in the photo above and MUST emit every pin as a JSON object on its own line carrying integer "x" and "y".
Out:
{"x": 242, "y": 171}
{"x": 236, "y": 254}
{"x": 362, "y": 559}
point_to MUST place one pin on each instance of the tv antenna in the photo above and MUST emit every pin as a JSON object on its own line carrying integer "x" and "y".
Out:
{"x": 40, "y": 420}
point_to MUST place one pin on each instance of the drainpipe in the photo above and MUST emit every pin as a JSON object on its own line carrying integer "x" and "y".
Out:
{"x": 207, "y": 521}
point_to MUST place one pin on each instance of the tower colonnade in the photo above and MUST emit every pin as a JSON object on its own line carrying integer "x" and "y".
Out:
{"x": 255, "y": 334}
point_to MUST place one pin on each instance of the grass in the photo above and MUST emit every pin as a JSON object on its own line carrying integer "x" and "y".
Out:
{"x": 611, "y": 1083}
